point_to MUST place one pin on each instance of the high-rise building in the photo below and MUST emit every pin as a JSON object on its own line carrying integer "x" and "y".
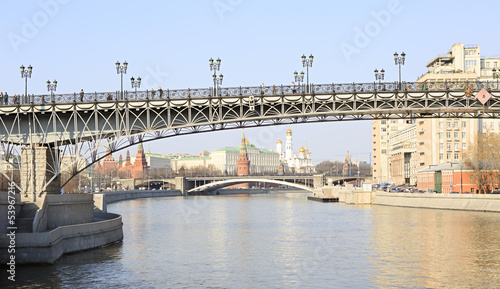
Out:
{"x": 397, "y": 154}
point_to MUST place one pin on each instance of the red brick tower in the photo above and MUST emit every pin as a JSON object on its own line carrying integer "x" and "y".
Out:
{"x": 243, "y": 163}
{"x": 108, "y": 165}
{"x": 140, "y": 163}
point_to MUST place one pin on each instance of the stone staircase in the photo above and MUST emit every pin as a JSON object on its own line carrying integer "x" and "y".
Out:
{"x": 24, "y": 221}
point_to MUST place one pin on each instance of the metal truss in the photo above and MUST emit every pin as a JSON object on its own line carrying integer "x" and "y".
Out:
{"x": 85, "y": 128}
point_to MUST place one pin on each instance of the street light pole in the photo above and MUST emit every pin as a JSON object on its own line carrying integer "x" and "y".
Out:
{"x": 51, "y": 87}
{"x": 135, "y": 83}
{"x": 307, "y": 63}
{"x": 27, "y": 74}
{"x": 299, "y": 78}
{"x": 379, "y": 75}
{"x": 399, "y": 60}
{"x": 215, "y": 66}
{"x": 121, "y": 69}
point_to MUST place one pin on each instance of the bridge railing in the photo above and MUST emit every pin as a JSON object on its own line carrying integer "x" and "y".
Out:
{"x": 277, "y": 90}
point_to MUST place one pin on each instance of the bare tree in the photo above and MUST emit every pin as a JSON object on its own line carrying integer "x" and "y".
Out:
{"x": 483, "y": 158}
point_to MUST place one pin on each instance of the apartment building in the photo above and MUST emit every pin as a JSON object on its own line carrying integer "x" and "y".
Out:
{"x": 435, "y": 140}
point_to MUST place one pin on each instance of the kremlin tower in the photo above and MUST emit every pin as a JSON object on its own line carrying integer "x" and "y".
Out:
{"x": 140, "y": 164}
{"x": 243, "y": 163}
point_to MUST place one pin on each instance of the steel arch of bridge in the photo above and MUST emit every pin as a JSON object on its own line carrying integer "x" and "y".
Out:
{"x": 95, "y": 127}
{"x": 227, "y": 183}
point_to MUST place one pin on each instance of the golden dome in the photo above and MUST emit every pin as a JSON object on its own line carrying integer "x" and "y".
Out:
{"x": 279, "y": 141}
{"x": 289, "y": 132}
{"x": 302, "y": 150}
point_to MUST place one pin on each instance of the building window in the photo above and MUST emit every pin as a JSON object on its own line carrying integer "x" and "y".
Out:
{"x": 383, "y": 121}
{"x": 470, "y": 64}
{"x": 441, "y": 156}
{"x": 455, "y": 134}
{"x": 455, "y": 124}
{"x": 448, "y": 124}
{"x": 463, "y": 135}
{"x": 440, "y": 136}
{"x": 384, "y": 129}
{"x": 464, "y": 124}
{"x": 456, "y": 146}
{"x": 441, "y": 146}
{"x": 448, "y": 156}
{"x": 441, "y": 125}
{"x": 448, "y": 145}
{"x": 464, "y": 145}
{"x": 492, "y": 125}
{"x": 456, "y": 156}
{"x": 448, "y": 135}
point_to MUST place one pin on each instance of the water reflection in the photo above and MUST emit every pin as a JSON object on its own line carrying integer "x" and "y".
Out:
{"x": 435, "y": 248}
{"x": 282, "y": 241}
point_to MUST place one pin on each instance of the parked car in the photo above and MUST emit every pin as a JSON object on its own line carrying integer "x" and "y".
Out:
{"x": 495, "y": 192}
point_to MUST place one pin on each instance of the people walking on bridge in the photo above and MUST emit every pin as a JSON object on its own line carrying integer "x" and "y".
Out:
{"x": 1, "y": 96}
{"x": 6, "y": 98}
{"x": 160, "y": 91}
{"x": 293, "y": 87}
{"x": 81, "y": 95}
{"x": 43, "y": 98}
{"x": 109, "y": 97}
{"x": 152, "y": 93}
{"x": 15, "y": 99}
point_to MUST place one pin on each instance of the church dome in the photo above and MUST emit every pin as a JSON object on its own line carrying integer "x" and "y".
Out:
{"x": 289, "y": 132}
{"x": 302, "y": 150}
{"x": 279, "y": 141}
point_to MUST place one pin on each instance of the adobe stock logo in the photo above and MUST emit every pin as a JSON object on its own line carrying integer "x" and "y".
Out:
{"x": 363, "y": 36}
{"x": 40, "y": 19}
{"x": 223, "y": 6}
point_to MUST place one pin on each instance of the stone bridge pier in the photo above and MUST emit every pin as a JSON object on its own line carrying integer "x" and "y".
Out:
{"x": 43, "y": 172}
{"x": 43, "y": 207}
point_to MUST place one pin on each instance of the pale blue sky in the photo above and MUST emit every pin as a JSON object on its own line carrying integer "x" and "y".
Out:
{"x": 168, "y": 43}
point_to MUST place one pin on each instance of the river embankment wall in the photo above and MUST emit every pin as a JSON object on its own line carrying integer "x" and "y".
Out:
{"x": 101, "y": 200}
{"x": 465, "y": 202}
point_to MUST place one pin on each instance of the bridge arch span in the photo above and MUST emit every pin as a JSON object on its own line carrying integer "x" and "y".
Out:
{"x": 227, "y": 183}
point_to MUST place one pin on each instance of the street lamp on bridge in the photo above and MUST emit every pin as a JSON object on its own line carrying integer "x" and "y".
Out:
{"x": 215, "y": 66}
{"x": 379, "y": 75}
{"x": 299, "y": 78}
{"x": 307, "y": 63}
{"x": 121, "y": 69}
{"x": 135, "y": 83}
{"x": 399, "y": 60}
{"x": 27, "y": 74}
{"x": 52, "y": 87}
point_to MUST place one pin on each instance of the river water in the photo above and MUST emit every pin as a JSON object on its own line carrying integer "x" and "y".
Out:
{"x": 282, "y": 241}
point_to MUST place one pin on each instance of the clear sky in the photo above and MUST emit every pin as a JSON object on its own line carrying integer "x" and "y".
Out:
{"x": 168, "y": 44}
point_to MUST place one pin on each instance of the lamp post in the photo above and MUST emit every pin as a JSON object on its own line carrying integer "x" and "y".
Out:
{"x": 135, "y": 83}
{"x": 399, "y": 60}
{"x": 307, "y": 63}
{"x": 121, "y": 69}
{"x": 52, "y": 87}
{"x": 218, "y": 82}
{"x": 215, "y": 66}
{"x": 299, "y": 78}
{"x": 379, "y": 75}
{"x": 27, "y": 74}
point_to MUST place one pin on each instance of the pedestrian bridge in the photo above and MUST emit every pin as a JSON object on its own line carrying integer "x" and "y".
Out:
{"x": 79, "y": 130}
